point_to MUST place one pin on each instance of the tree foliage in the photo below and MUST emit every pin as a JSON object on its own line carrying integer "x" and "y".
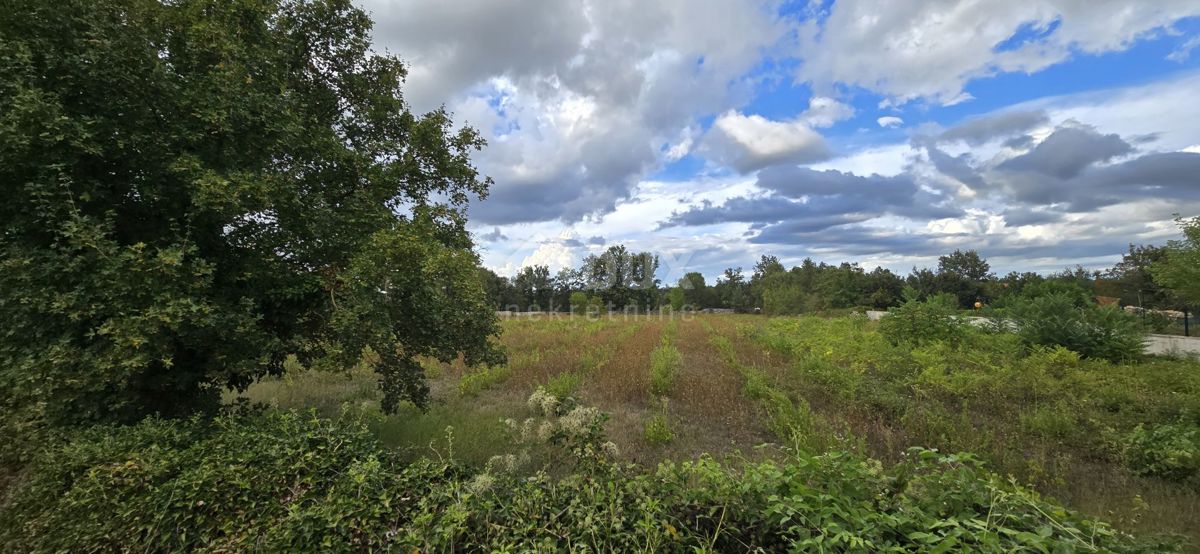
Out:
{"x": 1179, "y": 269}
{"x": 622, "y": 278}
{"x": 196, "y": 189}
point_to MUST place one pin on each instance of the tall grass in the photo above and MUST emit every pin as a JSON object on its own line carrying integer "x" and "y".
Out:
{"x": 664, "y": 366}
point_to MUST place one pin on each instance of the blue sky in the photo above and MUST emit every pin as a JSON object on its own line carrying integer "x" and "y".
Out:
{"x": 1041, "y": 133}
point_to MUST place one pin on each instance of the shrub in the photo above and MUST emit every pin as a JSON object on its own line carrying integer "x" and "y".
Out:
{"x": 1092, "y": 331}
{"x": 579, "y": 302}
{"x": 295, "y": 483}
{"x": 658, "y": 430}
{"x": 563, "y": 385}
{"x": 1170, "y": 451}
{"x": 916, "y": 322}
{"x": 664, "y": 364}
{"x": 476, "y": 382}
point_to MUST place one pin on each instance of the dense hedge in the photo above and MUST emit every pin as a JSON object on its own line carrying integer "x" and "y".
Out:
{"x": 290, "y": 482}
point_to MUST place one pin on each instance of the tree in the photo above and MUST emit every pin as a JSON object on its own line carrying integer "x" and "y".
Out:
{"x": 622, "y": 278}
{"x": 195, "y": 190}
{"x": 676, "y": 299}
{"x": 566, "y": 283}
{"x": 695, "y": 290}
{"x": 732, "y": 290}
{"x": 579, "y": 302}
{"x": 963, "y": 275}
{"x": 1179, "y": 270}
{"x": 496, "y": 289}
{"x": 534, "y": 287}
{"x": 967, "y": 265}
{"x": 766, "y": 267}
{"x": 1133, "y": 280}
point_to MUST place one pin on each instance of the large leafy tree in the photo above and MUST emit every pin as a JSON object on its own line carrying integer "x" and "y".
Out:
{"x": 1131, "y": 279}
{"x": 963, "y": 274}
{"x": 535, "y": 287}
{"x": 195, "y": 189}
{"x": 1178, "y": 269}
{"x": 622, "y": 278}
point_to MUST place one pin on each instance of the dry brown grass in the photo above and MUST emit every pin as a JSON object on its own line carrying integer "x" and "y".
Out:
{"x": 713, "y": 413}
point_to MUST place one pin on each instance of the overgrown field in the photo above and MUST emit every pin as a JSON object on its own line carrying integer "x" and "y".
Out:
{"x": 1117, "y": 441}
{"x": 709, "y": 432}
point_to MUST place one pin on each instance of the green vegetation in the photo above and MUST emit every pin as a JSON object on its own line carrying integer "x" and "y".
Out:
{"x": 1178, "y": 268}
{"x": 1093, "y": 331}
{"x": 213, "y": 195}
{"x": 658, "y": 429}
{"x": 243, "y": 313}
{"x": 664, "y": 366}
{"x": 564, "y": 385}
{"x": 1170, "y": 451}
{"x": 288, "y": 482}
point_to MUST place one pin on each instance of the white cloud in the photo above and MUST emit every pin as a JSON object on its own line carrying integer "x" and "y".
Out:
{"x": 554, "y": 255}
{"x": 750, "y": 142}
{"x": 889, "y": 121}
{"x": 824, "y": 111}
{"x": 1184, "y": 51}
{"x": 579, "y": 100}
{"x": 910, "y": 49}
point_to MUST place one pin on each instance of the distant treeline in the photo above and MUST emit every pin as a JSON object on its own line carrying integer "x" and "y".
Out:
{"x": 619, "y": 279}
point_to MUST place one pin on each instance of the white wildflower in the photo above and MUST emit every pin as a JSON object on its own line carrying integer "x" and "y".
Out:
{"x": 481, "y": 483}
{"x": 545, "y": 431}
{"x": 577, "y": 421}
{"x": 506, "y": 463}
{"x": 542, "y": 402}
{"x": 610, "y": 449}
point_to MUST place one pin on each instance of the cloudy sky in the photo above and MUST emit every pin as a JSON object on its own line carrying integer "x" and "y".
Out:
{"x": 1043, "y": 133}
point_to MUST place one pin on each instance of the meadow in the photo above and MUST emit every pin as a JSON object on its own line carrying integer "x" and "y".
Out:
{"x": 1110, "y": 440}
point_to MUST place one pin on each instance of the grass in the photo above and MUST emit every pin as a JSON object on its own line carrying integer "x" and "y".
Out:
{"x": 1046, "y": 417}
{"x": 664, "y": 365}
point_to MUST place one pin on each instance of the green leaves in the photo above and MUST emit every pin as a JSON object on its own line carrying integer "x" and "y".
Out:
{"x": 1180, "y": 268}
{"x": 195, "y": 190}
{"x": 293, "y": 482}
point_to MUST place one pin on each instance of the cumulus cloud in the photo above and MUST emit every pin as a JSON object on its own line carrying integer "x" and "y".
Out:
{"x": 889, "y": 121}
{"x": 752, "y": 142}
{"x": 1068, "y": 150}
{"x": 1073, "y": 169}
{"x": 579, "y": 100}
{"x": 824, "y": 111}
{"x": 802, "y": 200}
{"x": 980, "y": 130}
{"x": 910, "y": 49}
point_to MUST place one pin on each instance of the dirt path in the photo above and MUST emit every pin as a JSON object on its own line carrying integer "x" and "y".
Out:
{"x": 708, "y": 402}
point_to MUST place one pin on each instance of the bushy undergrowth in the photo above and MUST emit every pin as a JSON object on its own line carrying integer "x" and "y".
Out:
{"x": 284, "y": 482}
{"x": 1032, "y": 411}
{"x": 1170, "y": 451}
{"x": 921, "y": 322}
{"x": 1093, "y": 331}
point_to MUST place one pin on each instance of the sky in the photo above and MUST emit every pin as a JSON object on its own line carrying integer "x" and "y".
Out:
{"x": 1041, "y": 133}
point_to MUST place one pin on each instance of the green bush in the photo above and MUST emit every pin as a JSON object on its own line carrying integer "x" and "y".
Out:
{"x": 476, "y": 382}
{"x": 563, "y": 385}
{"x": 1170, "y": 451}
{"x": 664, "y": 365}
{"x": 579, "y": 302}
{"x": 295, "y": 483}
{"x": 658, "y": 430}
{"x": 1093, "y": 331}
{"x": 916, "y": 322}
